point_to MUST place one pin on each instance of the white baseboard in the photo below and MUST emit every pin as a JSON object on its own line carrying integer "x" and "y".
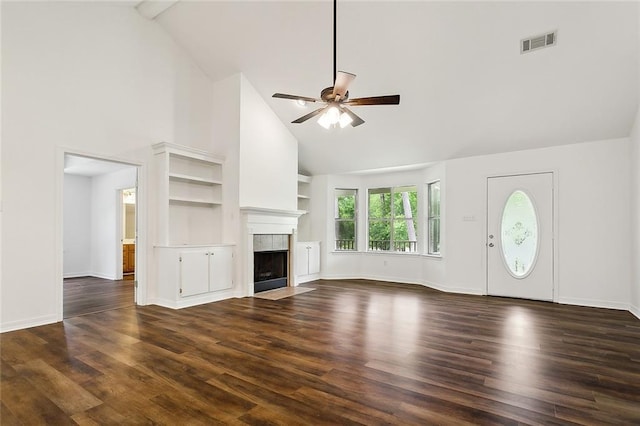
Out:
{"x": 594, "y": 303}
{"x": 368, "y": 277}
{"x": 76, "y": 274}
{"x": 435, "y": 286}
{"x": 635, "y": 311}
{"x": 301, "y": 279}
{"x": 103, "y": 276}
{"x": 193, "y": 300}
{"x": 27, "y": 323}
{"x": 457, "y": 290}
{"x": 391, "y": 279}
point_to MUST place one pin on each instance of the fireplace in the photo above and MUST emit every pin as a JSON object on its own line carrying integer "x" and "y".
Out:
{"x": 267, "y": 231}
{"x": 269, "y": 270}
{"x": 270, "y": 261}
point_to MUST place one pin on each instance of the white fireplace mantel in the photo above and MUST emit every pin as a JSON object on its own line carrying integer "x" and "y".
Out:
{"x": 259, "y": 220}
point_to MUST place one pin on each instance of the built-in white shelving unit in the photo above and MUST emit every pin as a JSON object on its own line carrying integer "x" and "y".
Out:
{"x": 304, "y": 198}
{"x": 193, "y": 267}
{"x": 189, "y": 195}
{"x": 304, "y": 205}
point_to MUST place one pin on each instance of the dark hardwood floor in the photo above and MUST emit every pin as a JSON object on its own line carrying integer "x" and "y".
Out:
{"x": 88, "y": 295}
{"x": 350, "y": 352}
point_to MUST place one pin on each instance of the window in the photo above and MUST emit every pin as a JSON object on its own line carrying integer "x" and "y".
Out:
{"x": 433, "y": 217}
{"x": 345, "y": 218}
{"x": 392, "y": 226}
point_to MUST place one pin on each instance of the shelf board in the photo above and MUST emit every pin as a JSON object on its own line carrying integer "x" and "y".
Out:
{"x": 192, "y": 201}
{"x": 304, "y": 197}
{"x": 194, "y": 179}
{"x": 304, "y": 179}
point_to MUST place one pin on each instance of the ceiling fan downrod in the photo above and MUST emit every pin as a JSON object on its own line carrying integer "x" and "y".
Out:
{"x": 335, "y": 12}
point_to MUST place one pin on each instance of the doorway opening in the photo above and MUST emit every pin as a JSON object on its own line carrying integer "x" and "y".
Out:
{"x": 128, "y": 234}
{"x": 99, "y": 220}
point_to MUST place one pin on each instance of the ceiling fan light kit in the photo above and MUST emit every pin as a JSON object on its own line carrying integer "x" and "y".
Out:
{"x": 334, "y": 116}
{"x": 336, "y": 98}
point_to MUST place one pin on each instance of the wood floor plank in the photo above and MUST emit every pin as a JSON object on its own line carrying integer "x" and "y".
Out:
{"x": 30, "y": 405}
{"x": 349, "y": 352}
{"x": 87, "y": 295}
{"x": 70, "y": 396}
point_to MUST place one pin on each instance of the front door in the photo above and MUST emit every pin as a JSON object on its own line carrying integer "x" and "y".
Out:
{"x": 520, "y": 236}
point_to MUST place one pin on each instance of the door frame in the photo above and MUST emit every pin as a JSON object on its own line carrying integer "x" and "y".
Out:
{"x": 141, "y": 289}
{"x": 120, "y": 226}
{"x": 556, "y": 229}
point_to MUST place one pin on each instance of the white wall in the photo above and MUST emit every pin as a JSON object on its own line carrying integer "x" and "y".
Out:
{"x": 635, "y": 217}
{"x": 106, "y": 248}
{"x": 593, "y": 208}
{"x": 635, "y": 209}
{"x": 95, "y": 78}
{"x": 226, "y": 137}
{"x": 268, "y": 155}
{"x": 77, "y": 226}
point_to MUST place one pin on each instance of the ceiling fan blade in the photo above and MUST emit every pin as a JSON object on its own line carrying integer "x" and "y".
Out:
{"x": 295, "y": 97}
{"x": 310, "y": 115}
{"x": 341, "y": 85}
{"x": 356, "y": 120}
{"x": 374, "y": 100}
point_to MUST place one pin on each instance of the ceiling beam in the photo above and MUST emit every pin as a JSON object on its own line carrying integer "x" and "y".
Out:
{"x": 150, "y": 9}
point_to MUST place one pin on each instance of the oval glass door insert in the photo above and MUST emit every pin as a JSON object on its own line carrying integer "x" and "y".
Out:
{"x": 519, "y": 232}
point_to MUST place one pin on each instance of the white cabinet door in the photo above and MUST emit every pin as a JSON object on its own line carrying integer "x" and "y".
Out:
{"x": 220, "y": 268}
{"x": 194, "y": 273}
{"x": 314, "y": 257}
{"x": 302, "y": 259}
{"x": 307, "y": 258}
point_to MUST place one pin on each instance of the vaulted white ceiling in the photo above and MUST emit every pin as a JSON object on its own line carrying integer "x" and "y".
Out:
{"x": 465, "y": 88}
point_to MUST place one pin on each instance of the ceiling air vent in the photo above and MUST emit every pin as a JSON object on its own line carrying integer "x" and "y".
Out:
{"x": 538, "y": 42}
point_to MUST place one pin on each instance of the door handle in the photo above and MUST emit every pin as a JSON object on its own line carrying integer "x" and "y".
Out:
{"x": 490, "y": 244}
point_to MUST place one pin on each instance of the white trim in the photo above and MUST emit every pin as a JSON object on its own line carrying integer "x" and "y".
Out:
{"x": 301, "y": 279}
{"x": 427, "y": 284}
{"x": 433, "y": 256}
{"x": 456, "y": 290}
{"x": 193, "y": 300}
{"x": 119, "y": 235}
{"x": 635, "y": 311}
{"x": 592, "y": 303}
{"x": 141, "y": 218}
{"x": 555, "y": 220}
{"x": 77, "y": 274}
{"x": 427, "y": 203}
{"x": 389, "y": 252}
{"x": 105, "y": 276}
{"x": 27, "y": 323}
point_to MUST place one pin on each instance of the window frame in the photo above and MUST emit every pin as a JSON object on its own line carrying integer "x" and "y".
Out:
{"x": 336, "y": 219}
{"x": 431, "y": 217}
{"x": 392, "y": 219}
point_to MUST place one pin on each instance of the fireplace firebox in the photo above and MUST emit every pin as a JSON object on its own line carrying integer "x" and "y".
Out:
{"x": 269, "y": 270}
